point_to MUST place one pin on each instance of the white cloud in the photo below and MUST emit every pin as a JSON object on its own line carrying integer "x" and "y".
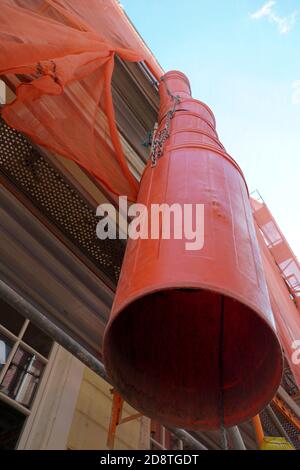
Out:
{"x": 265, "y": 10}
{"x": 283, "y": 23}
{"x": 296, "y": 92}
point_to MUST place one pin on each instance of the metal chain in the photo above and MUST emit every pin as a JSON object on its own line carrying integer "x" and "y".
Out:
{"x": 160, "y": 137}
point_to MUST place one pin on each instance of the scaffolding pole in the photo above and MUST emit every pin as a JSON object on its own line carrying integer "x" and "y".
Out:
{"x": 236, "y": 437}
{"x": 26, "y": 309}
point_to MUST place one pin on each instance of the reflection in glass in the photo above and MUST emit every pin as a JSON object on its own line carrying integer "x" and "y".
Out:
{"x": 11, "y": 425}
{"x": 38, "y": 340}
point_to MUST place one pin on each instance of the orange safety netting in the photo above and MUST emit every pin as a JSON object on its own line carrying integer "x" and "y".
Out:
{"x": 64, "y": 51}
{"x": 279, "y": 248}
{"x": 284, "y": 309}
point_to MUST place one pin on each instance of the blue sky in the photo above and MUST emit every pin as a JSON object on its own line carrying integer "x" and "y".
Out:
{"x": 243, "y": 59}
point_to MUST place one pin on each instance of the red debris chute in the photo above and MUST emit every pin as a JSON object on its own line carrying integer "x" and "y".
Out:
{"x": 191, "y": 339}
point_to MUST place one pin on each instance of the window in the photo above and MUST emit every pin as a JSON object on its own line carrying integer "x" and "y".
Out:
{"x": 11, "y": 424}
{"x": 24, "y": 353}
{"x": 5, "y": 348}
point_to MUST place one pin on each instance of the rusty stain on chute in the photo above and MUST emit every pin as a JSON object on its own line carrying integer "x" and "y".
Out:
{"x": 191, "y": 339}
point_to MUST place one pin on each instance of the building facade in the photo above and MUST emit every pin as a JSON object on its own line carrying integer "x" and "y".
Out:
{"x": 51, "y": 257}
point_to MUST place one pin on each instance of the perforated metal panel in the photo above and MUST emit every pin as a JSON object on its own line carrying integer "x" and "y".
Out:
{"x": 289, "y": 384}
{"x": 57, "y": 199}
{"x": 271, "y": 430}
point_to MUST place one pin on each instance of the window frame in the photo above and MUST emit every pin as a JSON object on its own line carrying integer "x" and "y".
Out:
{"x": 17, "y": 341}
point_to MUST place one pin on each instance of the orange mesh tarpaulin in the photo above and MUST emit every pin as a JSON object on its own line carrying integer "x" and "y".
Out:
{"x": 286, "y": 315}
{"x": 64, "y": 51}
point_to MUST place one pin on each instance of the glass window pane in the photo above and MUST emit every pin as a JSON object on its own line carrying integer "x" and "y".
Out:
{"x": 11, "y": 424}
{"x": 38, "y": 340}
{"x": 10, "y": 319}
{"x": 5, "y": 348}
{"x": 22, "y": 377}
